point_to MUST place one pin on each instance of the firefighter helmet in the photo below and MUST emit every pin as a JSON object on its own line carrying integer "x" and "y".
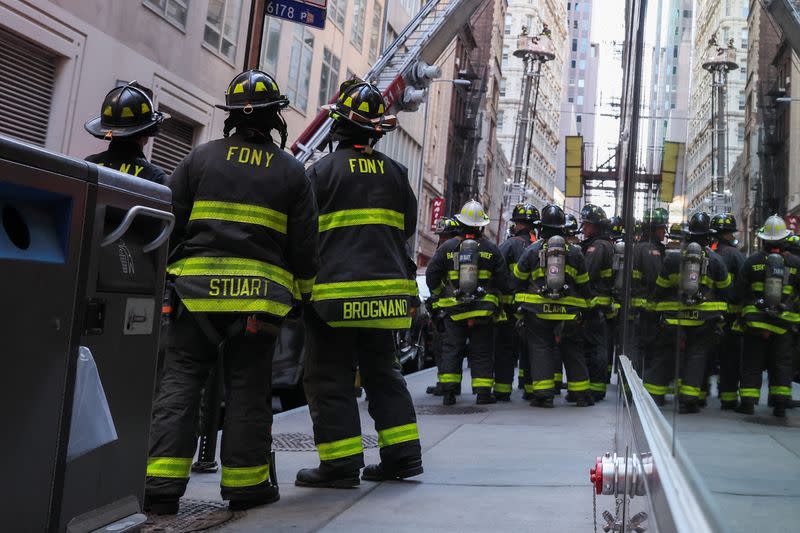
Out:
{"x": 676, "y": 232}
{"x": 126, "y": 111}
{"x": 793, "y": 243}
{"x": 525, "y": 213}
{"x": 723, "y": 222}
{"x": 472, "y": 215}
{"x": 617, "y": 226}
{"x": 592, "y": 214}
{"x": 447, "y": 226}
{"x": 253, "y": 89}
{"x": 362, "y": 105}
{"x": 571, "y": 225}
{"x": 774, "y": 229}
{"x": 656, "y": 218}
{"x": 553, "y": 217}
{"x": 700, "y": 224}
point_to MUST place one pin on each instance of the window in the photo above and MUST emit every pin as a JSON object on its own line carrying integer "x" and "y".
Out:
{"x": 743, "y": 73}
{"x": 359, "y": 17}
{"x": 271, "y": 45}
{"x": 336, "y": 12}
{"x": 584, "y": 45}
{"x": 505, "y": 57}
{"x": 502, "y": 87}
{"x": 745, "y": 10}
{"x": 740, "y": 133}
{"x": 571, "y": 99}
{"x": 329, "y": 77}
{"x": 172, "y": 10}
{"x": 529, "y": 23}
{"x": 572, "y": 64}
{"x": 375, "y": 33}
{"x": 675, "y": 51}
{"x": 741, "y": 100}
{"x": 574, "y": 24}
{"x": 574, "y": 45}
{"x": 579, "y": 99}
{"x": 744, "y": 38}
{"x": 222, "y": 26}
{"x": 300, "y": 67}
{"x": 581, "y": 83}
{"x": 507, "y": 28}
{"x": 174, "y": 142}
{"x": 578, "y": 118}
{"x": 582, "y": 64}
{"x": 24, "y": 114}
{"x": 501, "y": 116}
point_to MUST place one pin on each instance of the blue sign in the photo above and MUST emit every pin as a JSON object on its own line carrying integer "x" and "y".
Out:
{"x": 308, "y": 13}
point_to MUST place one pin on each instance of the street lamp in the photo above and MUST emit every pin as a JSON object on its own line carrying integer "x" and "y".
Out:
{"x": 420, "y": 181}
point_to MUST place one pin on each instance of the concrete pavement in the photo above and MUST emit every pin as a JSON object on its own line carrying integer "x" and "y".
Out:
{"x": 494, "y": 468}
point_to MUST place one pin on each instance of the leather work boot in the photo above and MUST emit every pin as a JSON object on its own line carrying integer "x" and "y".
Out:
{"x": 729, "y": 405}
{"x": 436, "y": 390}
{"x": 449, "y": 398}
{"x": 326, "y": 476}
{"x": 584, "y": 400}
{"x": 546, "y": 403}
{"x": 502, "y": 396}
{"x": 403, "y": 470}
{"x": 242, "y": 504}
{"x": 747, "y": 406}
{"x": 165, "y": 505}
{"x": 485, "y": 398}
{"x": 688, "y": 406}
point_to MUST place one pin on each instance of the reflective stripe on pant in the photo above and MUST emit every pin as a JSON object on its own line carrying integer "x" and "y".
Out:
{"x": 594, "y": 350}
{"x": 698, "y": 342}
{"x": 480, "y": 354}
{"x": 246, "y": 439}
{"x": 773, "y": 354}
{"x": 332, "y": 356}
{"x": 659, "y": 363}
{"x": 505, "y": 356}
{"x": 543, "y": 351}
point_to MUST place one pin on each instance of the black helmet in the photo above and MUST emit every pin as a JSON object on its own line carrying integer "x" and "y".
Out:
{"x": 571, "y": 225}
{"x": 126, "y": 111}
{"x": 253, "y": 89}
{"x": 676, "y": 232}
{"x": 723, "y": 222}
{"x": 525, "y": 213}
{"x": 617, "y": 226}
{"x": 593, "y": 214}
{"x": 700, "y": 224}
{"x": 447, "y": 226}
{"x": 656, "y": 218}
{"x": 362, "y": 105}
{"x": 553, "y": 217}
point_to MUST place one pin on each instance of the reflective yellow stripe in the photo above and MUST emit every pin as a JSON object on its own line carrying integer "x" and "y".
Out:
{"x": 502, "y": 387}
{"x": 482, "y": 382}
{"x": 543, "y": 385}
{"x": 728, "y": 396}
{"x": 231, "y": 266}
{"x": 769, "y": 327}
{"x": 556, "y": 316}
{"x": 579, "y": 279}
{"x": 244, "y": 476}
{"x": 235, "y": 305}
{"x": 305, "y": 285}
{"x": 639, "y": 302}
{"x": 362, "y": 289}
{"x": 452, "y": 302}
{"x": 482, "y": 274}
{"x": 607, "y": 273}
{"x": 788, "y": 316}
{"x": 658, "y": 390}
{"x": 597, "y": 387}
{"x": 757, "y": 286}
{"x": 521, "y": 372}
{"x": 511, "y": 267}
{"x": 678, "y": 306}
{"x": 637, "y": 274}
{"x": 662, "y": 282}
{"x": 170, "y": 467}
{"x": 578, "y": 386}
{"x": 481, "y": 313}
{"x": 688, "y": 390}
{"x": 361, "y": 217}
{"x": 750, "y": 393}
{"x": 235, "y": 212}
{"x": 683, "y": 322}
{"x": 724, "y": 283}
{"x": 449, "y": 378}
{"x": 378, "y": 323}
{"x": 529, "y": 388}
{"x": 558, "y": 376}
{"x": 329, "y": 451}
{"x": 780, "y": 391}
{"x": 520, "y": 274}
{"x": 397, "y": 435}
{"x": 574, "y": 301}
{"x": 601, "y": 300}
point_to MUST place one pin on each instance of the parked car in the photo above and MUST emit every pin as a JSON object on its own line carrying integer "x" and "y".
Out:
{"x": 415, "y": 345}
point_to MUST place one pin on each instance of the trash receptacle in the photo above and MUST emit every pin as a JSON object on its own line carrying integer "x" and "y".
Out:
{"x": 46, "y": 217}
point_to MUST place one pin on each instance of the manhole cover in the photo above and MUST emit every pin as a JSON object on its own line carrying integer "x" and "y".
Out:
{"x": 788, "y": 422}
{"x": 302, "y": 442}
{"x": 448, "y": 410}
{"x": 194, "y": 515}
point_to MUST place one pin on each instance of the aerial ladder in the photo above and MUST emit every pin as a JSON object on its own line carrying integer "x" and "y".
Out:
{"x": 405, "y": 69}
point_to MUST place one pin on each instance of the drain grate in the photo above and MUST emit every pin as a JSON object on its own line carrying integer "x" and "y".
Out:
{"x": 788, "y": 422}
{"x": 303, "y": 442}
{"x": 449, "y": 410}
{"x": 194, "y": 515}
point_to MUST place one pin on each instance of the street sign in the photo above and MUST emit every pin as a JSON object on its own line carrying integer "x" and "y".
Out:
{"x": 308, "y": 12}
{"x": 437, "y": 211}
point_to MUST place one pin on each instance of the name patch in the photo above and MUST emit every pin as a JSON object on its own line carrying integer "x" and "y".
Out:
{"x": 397, "y": 307}
{"x": 237, "y": 287}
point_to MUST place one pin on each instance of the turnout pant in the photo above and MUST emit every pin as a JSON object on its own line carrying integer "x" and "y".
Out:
{"x": 771, "y": 352}
{"x": 506, "y": 345}
{"x": 480, "y": 354}
{"x": 594, "y": 349}
{"x": 694, "y": 344}
{"x": 550, "y": 341}
{"x": 246, "y": 434}
{"x": 332, "y": 357}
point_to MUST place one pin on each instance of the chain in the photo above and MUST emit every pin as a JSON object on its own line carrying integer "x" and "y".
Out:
{"x": 594, "y": 507}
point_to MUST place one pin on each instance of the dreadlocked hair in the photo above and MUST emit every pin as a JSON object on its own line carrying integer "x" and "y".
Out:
{"x": 346, "y": 132}
{"x": 258, "y": 123}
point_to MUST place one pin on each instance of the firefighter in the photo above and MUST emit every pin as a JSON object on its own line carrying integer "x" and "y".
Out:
{"x": 553, "y": 293}
{"x": 793, "y": 247}
{"x": 598, "y": 252}
{"x": 571, "y": 229}
{"x": 507, "y": 342}
{"x": 766, "y": 291}
{"x": 128, "y": 119}
{"x": 691, "y": 299}
{"x": 470, "y": 275}
{"x": 675, "y": 237}
{"x": 362, "y": 293}
{"x": 245, "y": 233}
{"x": 617, "y": 228}
{"x": 617, "y": 233}
{"x": 729, "y": 350}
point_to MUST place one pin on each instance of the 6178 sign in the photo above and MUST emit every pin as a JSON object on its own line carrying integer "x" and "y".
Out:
{"x": 309, "y": 12}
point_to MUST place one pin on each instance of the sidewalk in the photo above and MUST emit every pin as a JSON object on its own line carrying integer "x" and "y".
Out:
{"x": 499, "y": 467}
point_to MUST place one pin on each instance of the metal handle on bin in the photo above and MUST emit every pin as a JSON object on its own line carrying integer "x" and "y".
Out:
{"x": 132, "y": 213}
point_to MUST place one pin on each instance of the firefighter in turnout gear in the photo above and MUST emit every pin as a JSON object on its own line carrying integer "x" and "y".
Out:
{"x": 598, "y": 251}
{"x": 361, "y": 295}
{"x": 128, "y": 119}
{"x": 553, "y": 293}
{"x": 691, "y": 299}
{"x": 245, "y": 237}
{"x": 729, "y": 350}
{"x": 766, "y": 292}
{"x": 507, "y": 342}
{"x": 469, "y": 275}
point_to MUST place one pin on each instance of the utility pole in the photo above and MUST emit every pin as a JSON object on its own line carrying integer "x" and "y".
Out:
{"x": 718, "y": 63}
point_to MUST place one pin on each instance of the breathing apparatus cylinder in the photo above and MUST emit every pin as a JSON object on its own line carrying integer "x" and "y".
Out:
{"x": 466, "y": 264}
{"x": 775, "y": 277}
{"x": 553, "y": 257}
{"x": 617, "y": 264}
{"x": 692, "y": 270}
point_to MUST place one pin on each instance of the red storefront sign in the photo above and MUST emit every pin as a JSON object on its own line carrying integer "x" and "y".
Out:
{"x": 437, "y": 211}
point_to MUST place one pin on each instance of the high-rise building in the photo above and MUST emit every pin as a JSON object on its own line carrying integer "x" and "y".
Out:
{"x": 726, "y": 20}
{"x": 540, "y": 181}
